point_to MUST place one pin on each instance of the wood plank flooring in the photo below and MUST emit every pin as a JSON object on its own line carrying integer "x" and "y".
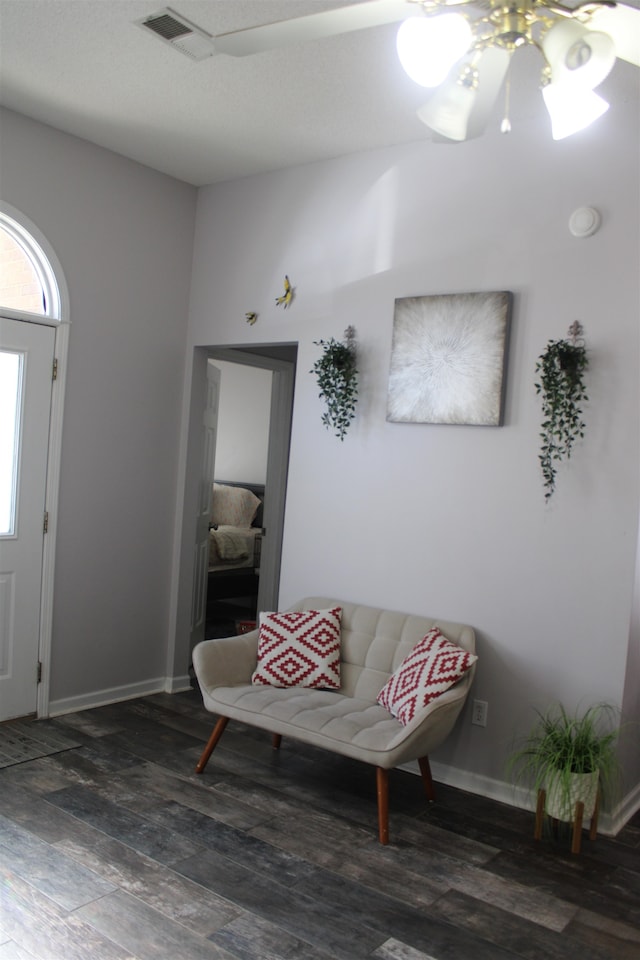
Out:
{"x": 117, "y": 850}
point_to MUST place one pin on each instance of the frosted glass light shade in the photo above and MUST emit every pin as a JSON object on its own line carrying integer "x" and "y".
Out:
{"x": 449, "y": 109}
{"x": 429, "y": 46}
{"x": 577, "y": 55}
{"x": 571, "y": 109}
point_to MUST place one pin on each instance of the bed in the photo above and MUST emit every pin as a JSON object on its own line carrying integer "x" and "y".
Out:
{"x": 235, "y": 537}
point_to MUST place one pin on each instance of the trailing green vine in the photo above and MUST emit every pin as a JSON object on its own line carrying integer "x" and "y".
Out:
{"x": 561, "y": 385}
{"x": 337, "y": 376}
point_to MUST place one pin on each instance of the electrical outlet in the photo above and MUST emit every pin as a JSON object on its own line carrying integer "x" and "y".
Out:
{"x": 479, "y": 713}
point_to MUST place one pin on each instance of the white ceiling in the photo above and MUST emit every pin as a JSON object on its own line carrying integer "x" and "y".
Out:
{"x": 86, "y": 67}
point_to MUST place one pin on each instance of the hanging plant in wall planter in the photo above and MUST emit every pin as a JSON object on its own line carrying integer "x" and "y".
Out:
{"x": 561, "y": 386}
{"x": 337, "y": 376}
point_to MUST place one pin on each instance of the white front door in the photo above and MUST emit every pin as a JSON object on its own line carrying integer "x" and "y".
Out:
{"x": 203, "y": 510}
{"x": 26, "y": 365}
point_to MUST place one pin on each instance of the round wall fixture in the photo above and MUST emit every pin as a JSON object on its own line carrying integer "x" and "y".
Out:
{"x": 584, "y": 222}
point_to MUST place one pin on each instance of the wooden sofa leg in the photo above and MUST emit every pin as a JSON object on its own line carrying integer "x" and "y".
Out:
{"x": 277, "y": 740}
{"x": 382, "y": 782}
{"x": 427, "y": 779}
{"x": 218, "y": 730}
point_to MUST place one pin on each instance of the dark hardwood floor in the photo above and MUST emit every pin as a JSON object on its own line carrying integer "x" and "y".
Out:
{"x": 116, "y": 850}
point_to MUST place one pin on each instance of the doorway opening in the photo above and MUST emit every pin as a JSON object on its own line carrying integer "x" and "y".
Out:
{"x": 201, "y": 472}
{"x": 237, "y": 517}
{"x": 252, "y": 444}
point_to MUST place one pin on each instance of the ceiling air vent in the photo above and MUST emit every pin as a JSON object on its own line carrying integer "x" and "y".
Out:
{"x": 179, "y": 33}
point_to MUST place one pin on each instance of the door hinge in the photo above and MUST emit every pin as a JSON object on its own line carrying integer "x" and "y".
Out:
{"x": 45, "y": 528}
{"x": 55, "y": 369}
{"x": 39, "y": 671}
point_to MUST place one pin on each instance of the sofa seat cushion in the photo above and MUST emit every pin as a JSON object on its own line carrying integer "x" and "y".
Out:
{"x": 356, "y": 728}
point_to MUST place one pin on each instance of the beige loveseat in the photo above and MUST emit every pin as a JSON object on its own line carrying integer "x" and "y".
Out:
{"x": 349, "y": 721}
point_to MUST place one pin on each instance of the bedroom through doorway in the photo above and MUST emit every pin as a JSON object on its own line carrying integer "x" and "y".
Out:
{"x": 242, "y": 446}
{"x": 250, "y": 473}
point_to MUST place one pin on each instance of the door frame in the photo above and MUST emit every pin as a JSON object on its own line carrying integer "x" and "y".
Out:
{"x": 55, "y": 286}
{"x": 282, "y": 390}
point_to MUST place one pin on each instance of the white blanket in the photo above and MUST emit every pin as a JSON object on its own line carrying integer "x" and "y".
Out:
{"x": 231, "y": 547}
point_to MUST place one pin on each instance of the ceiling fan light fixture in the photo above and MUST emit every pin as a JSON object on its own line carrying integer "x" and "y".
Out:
{"x": 428, "y": 47}
{"x": 571, "y": 108}
{"x": 578, "y": 55}
{"x": 448, "y": 110}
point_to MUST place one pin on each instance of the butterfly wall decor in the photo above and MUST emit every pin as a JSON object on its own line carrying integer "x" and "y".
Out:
{"x": 287, "y": 296}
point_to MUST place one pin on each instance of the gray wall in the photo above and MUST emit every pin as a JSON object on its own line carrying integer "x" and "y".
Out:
{"x": 124, "y": 236}
{"x": 451, "y": 520}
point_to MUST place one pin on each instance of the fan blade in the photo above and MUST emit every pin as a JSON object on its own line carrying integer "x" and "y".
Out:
{"x": 622, "y": 23}
{"x": 315, "y": 26}
{"x": 492, "y": 69}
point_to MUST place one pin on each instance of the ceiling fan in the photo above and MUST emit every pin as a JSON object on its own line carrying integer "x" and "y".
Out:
{"x": 462, "y": 49}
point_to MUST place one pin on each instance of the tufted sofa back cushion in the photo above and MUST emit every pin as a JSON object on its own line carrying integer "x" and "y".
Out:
{"x": 374, "y": 642}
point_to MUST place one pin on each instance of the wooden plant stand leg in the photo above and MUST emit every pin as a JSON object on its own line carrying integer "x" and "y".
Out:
{"x": 382, "y": 782}
{"x": 427, "y": 779}
{"x": 593, "y": 831}
{"x": 277, "y": 740}
{"x": 539, "y": 814}
{"x": 218, "y": 730}
{"x": 577, "y": 827}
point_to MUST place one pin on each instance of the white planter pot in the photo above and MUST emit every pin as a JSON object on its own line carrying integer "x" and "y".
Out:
{"x": 561, "y": 802}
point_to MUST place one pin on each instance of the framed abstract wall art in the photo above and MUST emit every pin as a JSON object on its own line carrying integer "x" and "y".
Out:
{"x": 448, "y": 358}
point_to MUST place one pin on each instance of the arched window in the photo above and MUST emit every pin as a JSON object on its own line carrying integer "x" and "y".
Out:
{"x": 27, "y": 281}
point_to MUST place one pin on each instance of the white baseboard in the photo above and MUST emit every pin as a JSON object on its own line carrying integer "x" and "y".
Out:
{"x": 609, "y": 823}
{"x": 178, "y": 684}
{"x": 623, "y": 812}
{"x": 102, "y": 698}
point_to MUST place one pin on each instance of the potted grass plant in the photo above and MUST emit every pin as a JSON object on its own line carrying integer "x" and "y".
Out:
{"x": 567, "y": 758}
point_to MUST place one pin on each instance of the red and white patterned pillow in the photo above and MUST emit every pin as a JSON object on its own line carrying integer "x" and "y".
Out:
{"x": 433, "y": 666}
{"x": 299, "y": 649}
